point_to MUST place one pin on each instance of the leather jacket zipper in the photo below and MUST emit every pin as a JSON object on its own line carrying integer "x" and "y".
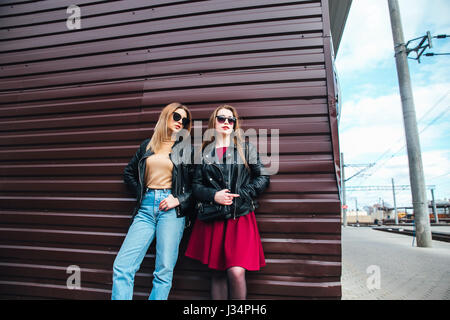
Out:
{"x": 174, "y": 168}
{"x": 139, "y": 175}
{"x": 229, "y": 187}
{"x": 174, "y": 186}
{"x": 221, "y": 173}
{"x": 140, "y": 182}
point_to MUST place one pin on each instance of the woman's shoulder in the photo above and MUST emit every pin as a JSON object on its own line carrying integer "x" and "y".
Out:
{"x": 144, "y": 144}
{"x": 252, "y": 152}
{"x": 145, "y": 141}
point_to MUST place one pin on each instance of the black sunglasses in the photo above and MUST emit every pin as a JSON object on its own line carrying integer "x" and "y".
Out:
{"x": 176, "y": 117}
{"x": 221, "y": 119}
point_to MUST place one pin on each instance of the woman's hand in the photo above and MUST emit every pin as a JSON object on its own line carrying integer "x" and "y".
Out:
{"x": 224, "y": 197}
{"x": 169, "y": 203}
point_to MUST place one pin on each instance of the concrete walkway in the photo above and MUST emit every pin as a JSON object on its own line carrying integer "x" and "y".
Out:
{"x": 385, "y": 266}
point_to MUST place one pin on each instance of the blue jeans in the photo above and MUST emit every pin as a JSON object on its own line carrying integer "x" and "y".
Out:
{"x": 148, "y": 222}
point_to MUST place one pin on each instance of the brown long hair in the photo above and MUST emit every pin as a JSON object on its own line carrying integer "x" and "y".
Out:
{"x": 161, "y": 132}
{"x": 238, "y": 139}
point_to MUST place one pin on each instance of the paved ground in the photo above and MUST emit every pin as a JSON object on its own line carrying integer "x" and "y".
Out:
{"x": 405, "y": 272}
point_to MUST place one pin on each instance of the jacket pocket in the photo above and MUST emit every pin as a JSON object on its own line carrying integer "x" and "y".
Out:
{"x": 209, "y": 211}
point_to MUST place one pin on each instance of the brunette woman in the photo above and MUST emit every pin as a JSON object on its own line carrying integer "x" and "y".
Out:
{"x": 229, "y": 180}
{"x": 161, "y": 180}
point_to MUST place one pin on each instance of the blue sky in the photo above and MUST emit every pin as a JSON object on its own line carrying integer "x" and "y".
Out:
{"x": 371, "y": 124}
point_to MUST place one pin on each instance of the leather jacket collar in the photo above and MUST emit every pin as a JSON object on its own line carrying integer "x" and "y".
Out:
{"x": 210, "y": 155}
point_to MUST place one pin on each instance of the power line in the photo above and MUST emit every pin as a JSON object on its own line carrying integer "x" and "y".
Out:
{"x": 383, "y": 188}
{"x": 425, "y": 114}
{"x": 440, "y": 176}
{"x": 367, "y": 166}
{"x": 434, "y": 106}
{"x": 432, "y": 54}
{"x": 376, "y": 163}
{"x": 424, "y": 128}
{"x": 403, "y": 147}
{"x": 436, "y": 118}
{"x": 440, "y": 36}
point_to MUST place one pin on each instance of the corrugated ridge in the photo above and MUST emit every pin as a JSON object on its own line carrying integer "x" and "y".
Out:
{"x": 74, "y": 106}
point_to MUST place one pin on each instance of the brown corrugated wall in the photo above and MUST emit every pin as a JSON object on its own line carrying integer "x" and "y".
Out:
{"x": 75, "y": 104}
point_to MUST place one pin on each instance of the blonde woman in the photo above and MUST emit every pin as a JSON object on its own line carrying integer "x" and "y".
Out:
{"x": 228, "y": 181}
{"x": 161, "y": 180}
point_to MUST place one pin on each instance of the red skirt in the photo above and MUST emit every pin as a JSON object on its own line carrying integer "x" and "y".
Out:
{"x": 227, "y": 243}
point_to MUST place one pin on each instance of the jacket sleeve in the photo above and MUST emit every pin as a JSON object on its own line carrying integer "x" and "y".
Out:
{"x": 258, "y": 182}
{"x": 131, "y": 173}
{"x": 201, "y": 192}
{"x": 185, "y": 198}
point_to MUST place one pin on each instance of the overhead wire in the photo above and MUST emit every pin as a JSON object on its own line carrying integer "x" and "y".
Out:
{"x": 375, "y": 167}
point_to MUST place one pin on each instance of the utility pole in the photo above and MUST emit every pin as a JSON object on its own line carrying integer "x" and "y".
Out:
{"x": 416, "y": 175}
{"x": 344, "y": 199}
{"x": 395, "y": 202}
{"x": 436, "y": 218}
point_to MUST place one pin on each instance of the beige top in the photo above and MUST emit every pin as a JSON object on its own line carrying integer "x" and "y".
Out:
{"x": 158, "y": 171}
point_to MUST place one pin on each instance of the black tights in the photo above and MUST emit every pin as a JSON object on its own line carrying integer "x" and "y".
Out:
{"x": 229, "y": 284}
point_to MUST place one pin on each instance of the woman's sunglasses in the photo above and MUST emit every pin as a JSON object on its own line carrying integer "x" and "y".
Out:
{"x": 221, "y": 120}
{"x": 176, "y": 117}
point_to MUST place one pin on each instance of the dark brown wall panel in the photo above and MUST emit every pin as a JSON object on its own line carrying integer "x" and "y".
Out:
{"x": 74, "y": 106}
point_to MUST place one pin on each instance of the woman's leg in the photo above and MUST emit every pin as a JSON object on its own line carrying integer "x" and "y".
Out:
{"x": 219, "y": 285}
{"x": 130, "y": 256}
{"x": 236, "y": 281}
{"x": 169, "y": 231}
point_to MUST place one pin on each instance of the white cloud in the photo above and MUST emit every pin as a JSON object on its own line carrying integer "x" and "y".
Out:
{"x": 371, "y": 125}
{"x": 367, "y": 39}
{"x": 436, "y": 163}
{"x": 372, "y": 111}
{"x": 374, "y": 124}
{"x": 419, "y": 16}
{"x": 372, "y": 130}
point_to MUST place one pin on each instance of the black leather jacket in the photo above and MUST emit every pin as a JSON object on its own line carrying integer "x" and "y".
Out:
{"x": 182, "y": 173}
{"x": 213, "y": 175}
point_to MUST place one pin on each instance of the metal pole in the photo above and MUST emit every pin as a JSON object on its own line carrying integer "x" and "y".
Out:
{"x": 344, "y": 197}
{"x": 416, "y": 175}
{"x": 395, "y": 202}
{"x": 436, "y": 218}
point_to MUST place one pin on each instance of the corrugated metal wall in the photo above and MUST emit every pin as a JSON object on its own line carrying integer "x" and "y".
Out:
{"x": 75, "y": 104}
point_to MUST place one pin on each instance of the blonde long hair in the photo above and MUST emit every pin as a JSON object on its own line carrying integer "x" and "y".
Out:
{"x": 238, "y": 139}
{"x": 162, "y": 132}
